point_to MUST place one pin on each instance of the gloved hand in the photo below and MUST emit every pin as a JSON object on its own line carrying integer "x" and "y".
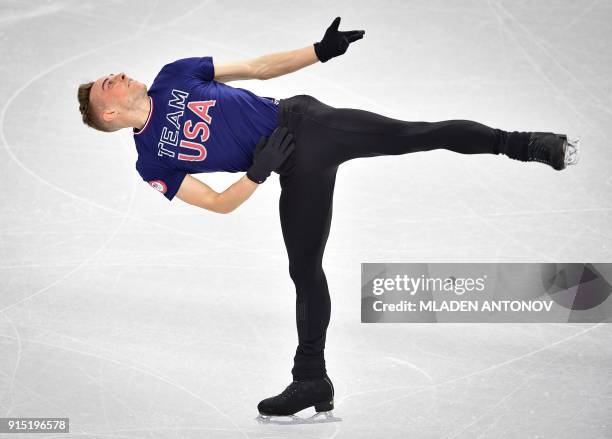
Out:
{"x": 334, "y": 42}
{"x": 270, "y": 154}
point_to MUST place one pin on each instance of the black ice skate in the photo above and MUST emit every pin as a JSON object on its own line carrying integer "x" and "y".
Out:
{"x": 301, "y": 394}
{"x": 553, "y": 149}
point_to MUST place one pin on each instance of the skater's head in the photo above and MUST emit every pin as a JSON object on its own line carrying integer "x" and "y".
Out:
{"x": 110, "y": 102}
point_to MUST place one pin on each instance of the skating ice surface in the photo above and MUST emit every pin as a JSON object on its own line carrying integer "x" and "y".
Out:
{"x": 139, "y": 318}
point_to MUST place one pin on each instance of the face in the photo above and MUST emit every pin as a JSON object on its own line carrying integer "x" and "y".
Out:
{"x": 116, "y": 94}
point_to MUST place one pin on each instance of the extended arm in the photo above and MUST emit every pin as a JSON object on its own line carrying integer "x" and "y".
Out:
{"x": 266, "y": 66}
{"x": 281, "y": 63}
{"x": 334, "y": 43}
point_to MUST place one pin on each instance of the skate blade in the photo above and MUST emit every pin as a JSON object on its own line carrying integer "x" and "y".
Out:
{"x": 572, "y": 153}
{"x": 317, "y": 418}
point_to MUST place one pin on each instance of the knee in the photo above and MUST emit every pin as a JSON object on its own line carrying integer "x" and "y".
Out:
{"x": 304, "y": 274}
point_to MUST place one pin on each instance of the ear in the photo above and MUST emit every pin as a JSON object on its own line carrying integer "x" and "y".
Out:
{"x": 109, "y": 115}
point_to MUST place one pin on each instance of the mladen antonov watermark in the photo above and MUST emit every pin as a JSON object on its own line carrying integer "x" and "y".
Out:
{"x": 485, "y": 292}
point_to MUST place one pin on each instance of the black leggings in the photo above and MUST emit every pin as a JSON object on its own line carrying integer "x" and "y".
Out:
{"x": 325, "y": 137}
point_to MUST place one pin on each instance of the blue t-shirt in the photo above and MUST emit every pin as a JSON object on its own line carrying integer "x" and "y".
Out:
{"x": 197, "y": 124}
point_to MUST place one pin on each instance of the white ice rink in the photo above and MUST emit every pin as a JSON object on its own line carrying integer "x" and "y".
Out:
{"x": 141, "y": 318}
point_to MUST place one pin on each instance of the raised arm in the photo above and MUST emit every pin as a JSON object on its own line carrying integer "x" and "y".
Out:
{"x": 334, "y": 43}
{"x": 266, "y": 66}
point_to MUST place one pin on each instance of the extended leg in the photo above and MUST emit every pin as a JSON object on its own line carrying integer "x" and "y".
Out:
{"x": 341, "y": 134}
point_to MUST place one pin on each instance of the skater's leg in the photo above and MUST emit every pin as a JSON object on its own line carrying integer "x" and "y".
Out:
{"x": 305, "y": 207}
{"x": 305, "y": 212}
{"x": 341, "y": 134}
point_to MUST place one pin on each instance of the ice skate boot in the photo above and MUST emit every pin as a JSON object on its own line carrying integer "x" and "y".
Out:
{"x": 300, "y": 394}
{"x": 552, "y": 149}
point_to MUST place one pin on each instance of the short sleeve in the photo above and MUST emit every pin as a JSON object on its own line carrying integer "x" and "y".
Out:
{"x": 162, "y": 179}
{"x": 199, "y": 67}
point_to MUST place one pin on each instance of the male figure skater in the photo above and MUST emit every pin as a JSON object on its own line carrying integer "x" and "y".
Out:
{"x": 190, "y": 122}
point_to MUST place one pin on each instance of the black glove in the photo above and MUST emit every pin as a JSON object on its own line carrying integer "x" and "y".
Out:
{"x": 270, "y": 154}
{"x": 334, "y": 42}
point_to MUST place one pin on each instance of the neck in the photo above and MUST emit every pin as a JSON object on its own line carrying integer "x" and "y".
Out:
{"x": 141, "y": 113}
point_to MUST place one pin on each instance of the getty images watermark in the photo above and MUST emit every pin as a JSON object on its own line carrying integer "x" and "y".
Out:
{"x": 485, "y": 292}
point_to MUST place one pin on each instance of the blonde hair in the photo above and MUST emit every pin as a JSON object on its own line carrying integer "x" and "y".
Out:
{"x": 89, "y": 115}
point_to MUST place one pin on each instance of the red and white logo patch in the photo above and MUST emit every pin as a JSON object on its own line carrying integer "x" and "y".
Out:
{"x": 159, "y": 185}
